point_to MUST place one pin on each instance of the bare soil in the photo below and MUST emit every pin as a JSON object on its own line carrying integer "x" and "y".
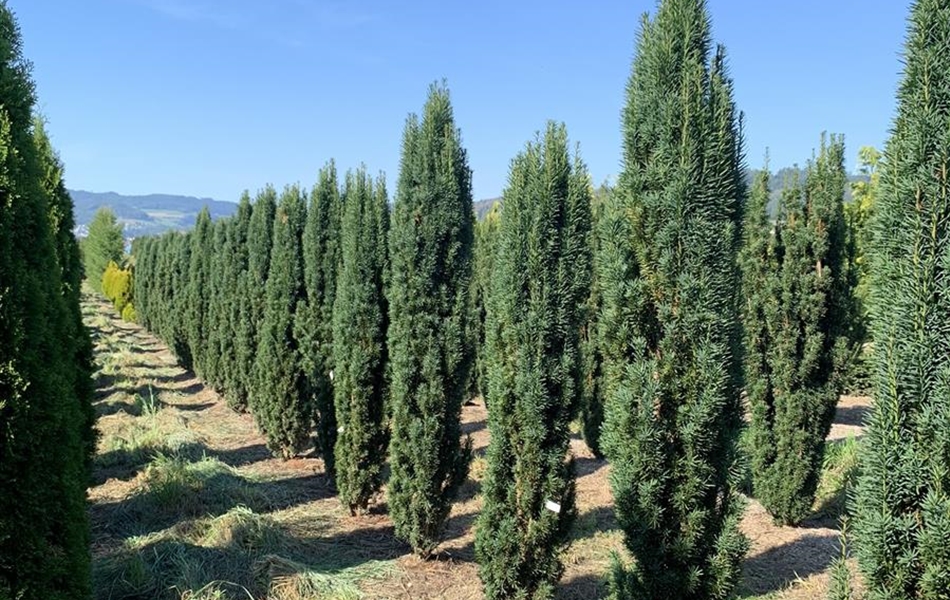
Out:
{"x": 139, "y": 381}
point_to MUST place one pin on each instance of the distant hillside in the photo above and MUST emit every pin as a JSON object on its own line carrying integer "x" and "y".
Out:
{"x": 146, "y": 215}
{"x": 483, "y": 206}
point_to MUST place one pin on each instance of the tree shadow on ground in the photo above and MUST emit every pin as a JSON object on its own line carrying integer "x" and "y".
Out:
{"x": 459, "y": 526}
{"x": 584, "y": 587}
{"x": 251, "y": 553}
{"x": 774, "y": 569}
{"x": 852, "y": 415}
{"x": 470, "y": 489}
{"x": 600, "y": 519}
{"x": 156, "y": 507}
{"x": 474, "y": 427}
{"x": 125, "y": 463}
{"x": 588, "y": 465}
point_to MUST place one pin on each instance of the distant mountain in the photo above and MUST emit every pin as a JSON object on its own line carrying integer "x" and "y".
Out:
{"x": 483, "y": 206}
{"x": 146, "y": 215}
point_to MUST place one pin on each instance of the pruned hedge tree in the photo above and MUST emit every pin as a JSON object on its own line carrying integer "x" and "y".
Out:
{"x": 540, "y": 282}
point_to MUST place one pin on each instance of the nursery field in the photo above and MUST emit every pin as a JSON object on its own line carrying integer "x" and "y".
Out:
{"x": 188, "y": 503}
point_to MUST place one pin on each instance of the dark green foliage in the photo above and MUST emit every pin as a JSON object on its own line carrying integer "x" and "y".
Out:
{"x": 179, "y": 305}
{"x": 251, "y": 286}
{"x": 796, "y": 312}
{"x": 900, "y": 509}
{"x": 540, "y": 282}
{"x": 359, "y": 349}
{"x": 103, "y": 244}
{"x": 235, "y": 268}
{"x": 216, "y": 324}
{"x": 322, "y": 259}
{"x": 431, "y": 253}
{"x": 669, "y": 320}
{"x": 486, "y": 243}
{"x": 199, "y": 290}
{"x": 279, "y": 398}
{"x": 592, "y": 389}
{"x": 62, "y": 222}
{"x": 44, "y": 437}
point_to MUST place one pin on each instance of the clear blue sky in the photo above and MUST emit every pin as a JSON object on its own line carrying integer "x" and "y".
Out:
{"x": 209, "y": 97}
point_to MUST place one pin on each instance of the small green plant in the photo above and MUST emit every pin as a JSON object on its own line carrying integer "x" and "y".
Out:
{"x": 147, "y": 406}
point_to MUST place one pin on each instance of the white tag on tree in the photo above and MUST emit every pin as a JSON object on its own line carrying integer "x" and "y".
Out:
{"x": 339, "y": 429}
{"x": 552, "y": 506}
{"x": 331, "y": 375}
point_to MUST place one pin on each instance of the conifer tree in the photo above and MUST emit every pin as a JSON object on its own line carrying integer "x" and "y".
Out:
{"x": 181, "y": 310}
{"x": 592, "y": 389}
{"x": 198, "y": 289}
{"x": 901, "y": 504}
{"x": 236, "y": 250}
{"x": 251, "y": 287}
{"x": 797, "y": 310}
{"x": 279, "y": 399}
{"x": 431, "y": 253}
{"x": 217, "y": 307}
{"x": 541, "y": 280}
{"x": 359, "y": 334}
{"x": 669, "y": 322}
{"x": 62, "y": 222}
{"x": 486, "y": 243}
{"x": 322, "y": 258}
{"x": 44, "y": 528}
{"x": 103, "y": 243}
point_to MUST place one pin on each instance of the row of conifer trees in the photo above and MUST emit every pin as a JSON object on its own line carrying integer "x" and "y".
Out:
{"x": 649, "y": 308}
{"x": 334, "y": 329}
{"x": 47, "y": 438}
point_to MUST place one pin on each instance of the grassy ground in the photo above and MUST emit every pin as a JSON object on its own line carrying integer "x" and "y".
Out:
{"x": 188, "y": 504}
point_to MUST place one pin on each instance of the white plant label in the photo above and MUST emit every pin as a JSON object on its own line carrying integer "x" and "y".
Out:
{"x": 552, "y": 506}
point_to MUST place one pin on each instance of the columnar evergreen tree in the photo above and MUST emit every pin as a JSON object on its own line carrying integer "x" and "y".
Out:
{"x": 592, "y": 389}
{"x": 322, "y": 258}
{"x": 901, "y": 504}
{"x": 541, "y": 281}
{"x": 431, "y": 253}
{"x": 797, "y": 310}
{"x": 199, "y": 289}
{"x": 44, "y": 529}
{"x": 486, "y": 242}
{"x": 669, "y": 323}
{"x": 251, "y": 287}
{"x": 103, "y": 243}
{"x": 236, "y": 250}
{"x": 279, "y": 398}
{"x": 62, "y": 222}
{"x": 179, "y": 305}
{"x": 359, "y": 349}
{"x": 217, "y": 305}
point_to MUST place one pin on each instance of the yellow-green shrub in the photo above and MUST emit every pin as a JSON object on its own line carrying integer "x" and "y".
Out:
{"x": 117, "y": 286}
